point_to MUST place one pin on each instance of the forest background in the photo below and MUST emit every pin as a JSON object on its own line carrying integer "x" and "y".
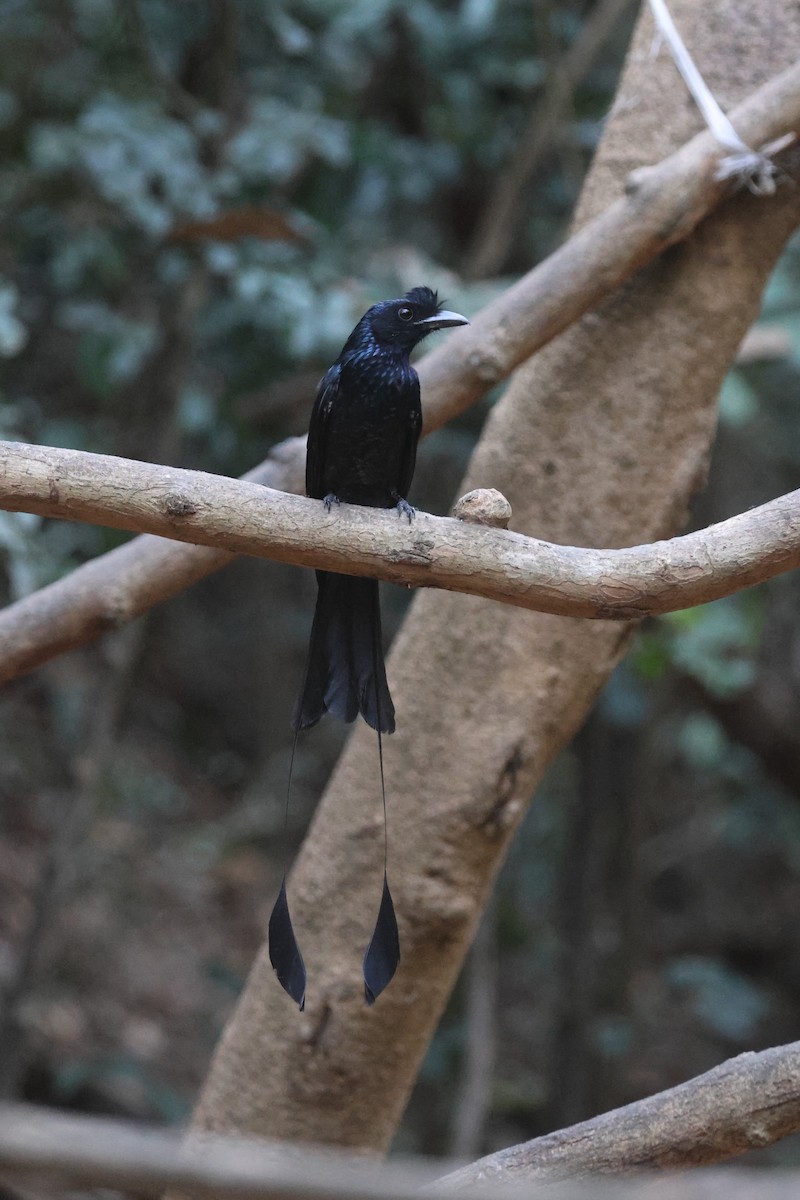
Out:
{"x": 198, "y": 201}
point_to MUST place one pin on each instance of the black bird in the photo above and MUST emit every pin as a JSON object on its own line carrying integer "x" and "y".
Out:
{"x": 362, "y": 447}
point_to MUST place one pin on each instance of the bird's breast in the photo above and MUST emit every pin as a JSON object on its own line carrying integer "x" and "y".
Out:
{"x": 368, "y": 429}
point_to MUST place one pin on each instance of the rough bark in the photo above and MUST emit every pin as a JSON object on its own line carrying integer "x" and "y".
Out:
{"x": 745, "y": 1103}
{"x": 601, "y": 440}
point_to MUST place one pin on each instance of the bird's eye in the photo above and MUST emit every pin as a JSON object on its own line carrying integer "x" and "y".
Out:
{"x": 405, "y": 313}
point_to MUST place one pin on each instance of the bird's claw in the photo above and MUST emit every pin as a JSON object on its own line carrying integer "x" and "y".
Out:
{"x": 329, "y": 500}
{"x": 406, "y": 509}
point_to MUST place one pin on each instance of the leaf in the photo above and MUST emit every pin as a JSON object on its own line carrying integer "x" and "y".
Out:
{"x": 383, "y": 952}
{"x": 284, "y": 952}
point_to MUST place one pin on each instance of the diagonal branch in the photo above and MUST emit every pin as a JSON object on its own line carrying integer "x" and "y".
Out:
{"x": 745, "y": 1103}
{"x": 754, "y": 168}
{"x": 237, "y": 517}
{"x": 662, "y": 205}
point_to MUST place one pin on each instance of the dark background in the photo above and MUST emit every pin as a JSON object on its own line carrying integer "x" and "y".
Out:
{"x": 198, "y": 200}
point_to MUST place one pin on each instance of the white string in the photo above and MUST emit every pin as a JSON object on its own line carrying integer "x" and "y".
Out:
{"x": 753, "y": 168}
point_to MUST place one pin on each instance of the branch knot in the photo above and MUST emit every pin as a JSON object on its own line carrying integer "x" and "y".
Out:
{"x": 483, "y": 506}
{"x": 177, "y": 505}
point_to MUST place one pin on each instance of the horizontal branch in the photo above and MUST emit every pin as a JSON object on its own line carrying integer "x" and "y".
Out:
{"x": 93, "y": 1151}
{"x": 242, "y": 518}
{"x": 662, "y": 205}
{"x": 746, "y": 1103}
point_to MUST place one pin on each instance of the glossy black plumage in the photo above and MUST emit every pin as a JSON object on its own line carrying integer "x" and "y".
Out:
{"x": 362, "y": 448}
{"x": 345, "y": 673}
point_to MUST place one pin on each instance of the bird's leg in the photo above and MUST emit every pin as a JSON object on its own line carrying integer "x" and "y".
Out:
{"x": 329, "y": 500}
{"x": 405, "y": 509}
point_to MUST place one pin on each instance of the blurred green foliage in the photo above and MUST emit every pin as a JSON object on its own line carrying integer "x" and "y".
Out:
{"x": 198, "y": 199}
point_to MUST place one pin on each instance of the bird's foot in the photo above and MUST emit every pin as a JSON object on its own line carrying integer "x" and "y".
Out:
{"x": 405, "y": 509}
{"x": 329, "y": 500}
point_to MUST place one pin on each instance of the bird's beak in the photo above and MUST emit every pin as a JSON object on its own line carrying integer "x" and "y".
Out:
{"x": 442, "y": 320}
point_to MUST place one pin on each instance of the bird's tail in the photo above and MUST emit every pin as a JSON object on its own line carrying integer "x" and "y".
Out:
{"x": 345, "y": 672}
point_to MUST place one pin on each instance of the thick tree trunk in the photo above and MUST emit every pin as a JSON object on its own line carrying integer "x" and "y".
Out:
{"x": 600, "y": 440}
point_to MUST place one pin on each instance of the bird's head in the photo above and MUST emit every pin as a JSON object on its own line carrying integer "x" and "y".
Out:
{"x": 404, "y": 322}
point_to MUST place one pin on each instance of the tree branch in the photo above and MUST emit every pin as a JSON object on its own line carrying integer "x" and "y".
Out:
{"x": 237, "y": 517}
{"x": 745, "y": 1103}
{"x": 121, "y": 585}
{"x": 92, "y": 1151}
{"x": 661, "y": 206}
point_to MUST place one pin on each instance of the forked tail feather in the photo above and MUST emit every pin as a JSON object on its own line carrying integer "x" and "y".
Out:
{"x": 345, "y": 671}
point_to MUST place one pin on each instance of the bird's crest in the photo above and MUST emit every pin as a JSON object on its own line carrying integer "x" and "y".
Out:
{"x": 424, "y": 297}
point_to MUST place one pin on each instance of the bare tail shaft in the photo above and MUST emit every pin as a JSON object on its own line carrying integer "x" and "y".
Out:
{"x": 345, "y": 672}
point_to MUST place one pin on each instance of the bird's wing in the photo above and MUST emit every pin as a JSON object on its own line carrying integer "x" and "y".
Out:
{"x": 409, "y": 456}
{"x": 318, "y": 432}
